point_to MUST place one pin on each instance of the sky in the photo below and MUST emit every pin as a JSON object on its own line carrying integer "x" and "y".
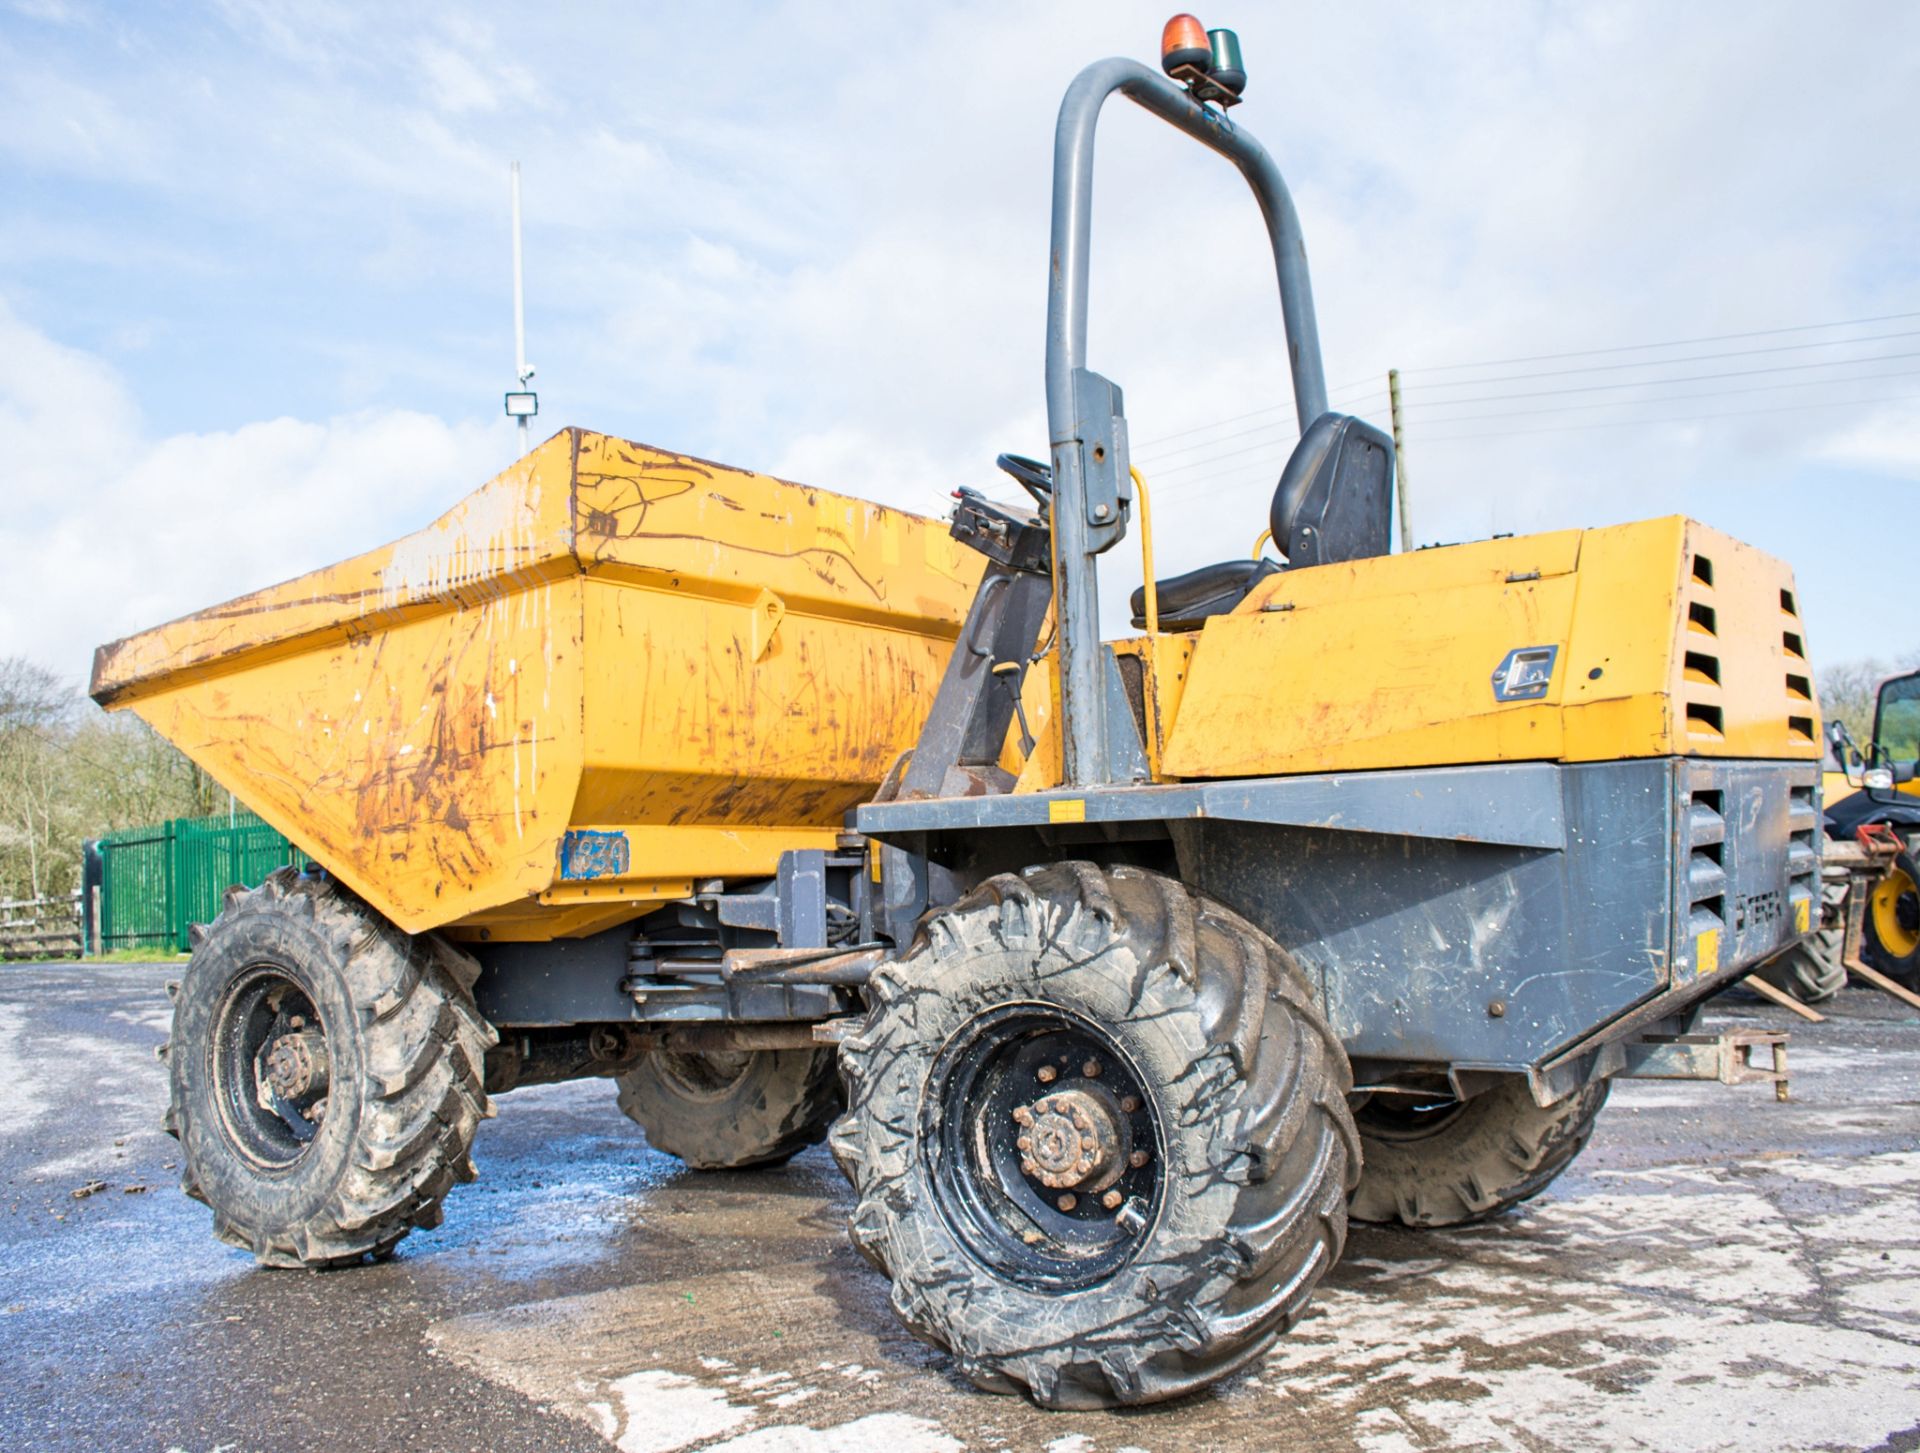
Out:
{"x": 255, "y": 308}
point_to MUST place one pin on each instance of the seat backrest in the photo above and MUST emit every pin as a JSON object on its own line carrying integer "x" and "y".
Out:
{"x": 1335, "y": 497}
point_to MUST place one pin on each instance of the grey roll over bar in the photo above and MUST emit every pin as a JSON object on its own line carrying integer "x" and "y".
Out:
{"x": 1085, "y": 423}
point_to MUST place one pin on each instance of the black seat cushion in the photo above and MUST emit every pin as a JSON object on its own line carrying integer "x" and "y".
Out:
{"x": 1186, "y": 600}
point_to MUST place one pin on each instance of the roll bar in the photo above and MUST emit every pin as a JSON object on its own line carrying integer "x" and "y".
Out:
{"x": 1085, "y": 421}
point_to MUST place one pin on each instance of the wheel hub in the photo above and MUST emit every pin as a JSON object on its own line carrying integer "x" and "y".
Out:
{"x": 1046, "y": 1145}
{"x": 1067, "y": 1139}
{"x": 297, "y": 1065}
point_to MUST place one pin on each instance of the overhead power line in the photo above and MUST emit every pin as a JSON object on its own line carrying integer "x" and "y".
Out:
{"x": 1719, "y": 393}
{"x": 1590, "y": 388}
{"x": 1670, "y": 343}
{"x": 1666, "y": 362}
{"x": 1417, "y": 385}
{"x": 1669, "y": 419}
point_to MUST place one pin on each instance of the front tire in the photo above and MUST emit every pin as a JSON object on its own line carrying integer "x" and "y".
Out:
{"x": 729, "y": 1111}
{"x": 324, "y": 1075}
{"x": 1437, "y": 1161}
{"x": 1099, "y": 1137}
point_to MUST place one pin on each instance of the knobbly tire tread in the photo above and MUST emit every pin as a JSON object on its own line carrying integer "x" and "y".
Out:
{"x": 418, "y": 1049}
{"x": 1253, "y": 1089}
{"x": 785, "y": 1102}
{"x": 1813, "y": 970}
{"x": 1501, "y": 1149}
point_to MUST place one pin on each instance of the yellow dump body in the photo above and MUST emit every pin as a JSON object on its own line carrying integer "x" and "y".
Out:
{"x": 607, "y": 674}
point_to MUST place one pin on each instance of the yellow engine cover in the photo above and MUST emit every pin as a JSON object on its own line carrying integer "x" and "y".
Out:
{"x": 681, "y": 668}
{"x": 1666, "y": 638}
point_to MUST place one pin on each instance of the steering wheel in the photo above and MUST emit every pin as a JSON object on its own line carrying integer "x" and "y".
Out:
{"x": 1031, "y": 475}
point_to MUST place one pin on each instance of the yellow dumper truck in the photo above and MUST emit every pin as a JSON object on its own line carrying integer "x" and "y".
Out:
{"x": 1119, "y": 974}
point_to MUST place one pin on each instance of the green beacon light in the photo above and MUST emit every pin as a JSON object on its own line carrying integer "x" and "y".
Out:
{"x": 1227, "y": 71}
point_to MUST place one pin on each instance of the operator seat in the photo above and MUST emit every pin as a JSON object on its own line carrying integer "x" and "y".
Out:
{"x": 1333, "y": 503}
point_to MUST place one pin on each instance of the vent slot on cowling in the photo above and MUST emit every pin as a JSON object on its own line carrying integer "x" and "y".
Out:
{"x": 1786, "y": 603}
{"x": 1800, "y": 728}
{"x": 1791, "y": 640}
{"x": 1803, "y": 851}
{"x": 1706, "y": 863}
{"x": 1700, "y": 618}
{"x": 1799, "y": 687}
{"x": 1705, "y": 720}
{"x": 1703, "y": 570}
{"x": 1702, "y": 668}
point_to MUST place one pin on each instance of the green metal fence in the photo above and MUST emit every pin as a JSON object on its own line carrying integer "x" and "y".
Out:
{"x": 156, "y": 881}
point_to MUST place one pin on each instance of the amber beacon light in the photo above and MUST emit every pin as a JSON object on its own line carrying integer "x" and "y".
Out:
{"x": 1184, "y": 43}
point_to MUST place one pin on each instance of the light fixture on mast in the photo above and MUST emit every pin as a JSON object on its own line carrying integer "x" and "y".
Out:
{"x": 522, "y": 403}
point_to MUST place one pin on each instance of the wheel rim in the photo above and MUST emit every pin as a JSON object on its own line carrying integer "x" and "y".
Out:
{"x": 1407, "y": 1117}
{"x": 270, "y": 1067}
{"x": 704, "y": 1076}
{"x": 1049, "y": 1175}
{"x": 1896, "y": 914}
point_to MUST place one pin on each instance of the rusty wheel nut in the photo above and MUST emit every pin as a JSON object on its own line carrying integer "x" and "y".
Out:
{"x": 1068, "y": 1201}
{"x": 1111, "y": 1200}
{"x": 1025, "y": 1142}
{"x": 1137, "y": 1159}
{"x": 1091, "y": 1069}
{"x": 1046, "y": 1074}
{"x": 1130, "y": 1104}
{"x": 1022, "y": 1115}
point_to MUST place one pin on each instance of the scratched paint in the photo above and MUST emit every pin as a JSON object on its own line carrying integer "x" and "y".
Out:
{"x": 579, "y": 643}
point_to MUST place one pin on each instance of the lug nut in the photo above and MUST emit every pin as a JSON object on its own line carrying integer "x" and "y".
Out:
{"x": 1068, "y": 1201}
{"x": 1022, "y": 1115}
{"x": 1046, "y": 1074}
{"x": 1091, "y": 1069}
{"x": 1111, "y": 1200}
{"x": 1130, "y": 1104}
{"x": 1025, "y": 1142}
{"x": 1137, "y": 1159}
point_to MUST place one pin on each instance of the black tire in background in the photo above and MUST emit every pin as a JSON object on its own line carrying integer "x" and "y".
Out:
{"x": 324, "y": 1075}
{"x": 1232, "y": 1149}
{"x": 1812, "y": 970}
{"x": 728, "y": 1111}
{"x": 1437, "y": 1161}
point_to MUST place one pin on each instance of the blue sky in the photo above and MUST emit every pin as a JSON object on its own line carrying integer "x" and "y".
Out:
{"x": 254, "y": 269}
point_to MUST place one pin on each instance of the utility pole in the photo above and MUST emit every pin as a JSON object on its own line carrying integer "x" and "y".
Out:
{"x": 1399, "y": 459}
{"x": 522, "y": 402}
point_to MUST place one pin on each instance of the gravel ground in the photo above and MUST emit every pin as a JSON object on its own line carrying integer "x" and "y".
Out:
{"x": 1718, "y": 1271}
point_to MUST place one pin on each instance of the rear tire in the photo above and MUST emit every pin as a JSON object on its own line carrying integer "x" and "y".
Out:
{"x": 1812, "y": 970}
{"x": 1450, "y": 1162}
{"x": 731, "y": 1111}
{"x": 325, "y": 1075}
{"x": 1212, "y": 1194}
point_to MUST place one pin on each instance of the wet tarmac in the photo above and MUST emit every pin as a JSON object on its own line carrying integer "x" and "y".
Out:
{"x": 1718, "y": 1271}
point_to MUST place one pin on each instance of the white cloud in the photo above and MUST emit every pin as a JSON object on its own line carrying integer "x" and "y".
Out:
{"x": 825, "y": 252}
{"x": 109, "y": 530}
{"x": 1888, "y": 440}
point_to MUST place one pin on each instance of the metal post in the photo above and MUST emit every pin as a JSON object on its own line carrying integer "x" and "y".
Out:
{"x": 1077, "y": 539}
{"x": 520, "y": 369}
{"x": 1399, "y": 460}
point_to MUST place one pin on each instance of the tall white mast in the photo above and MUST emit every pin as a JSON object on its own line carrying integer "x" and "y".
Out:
{"x": 522, "y": 404}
